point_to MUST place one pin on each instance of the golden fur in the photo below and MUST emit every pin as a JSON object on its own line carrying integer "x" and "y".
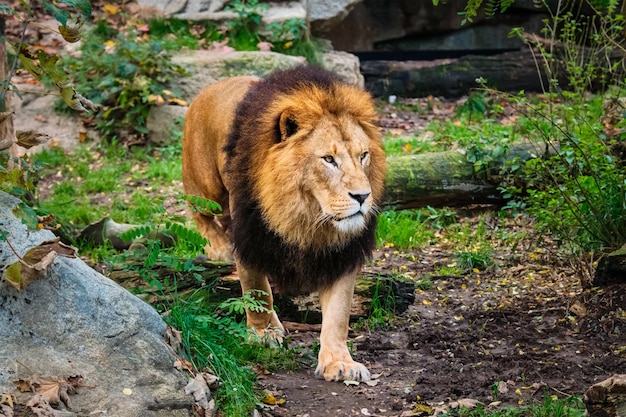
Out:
{"x": 297, "y": 164}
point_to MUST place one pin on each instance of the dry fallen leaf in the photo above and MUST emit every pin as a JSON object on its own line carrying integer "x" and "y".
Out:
{"x": 5, "y": 115}
{"x": 55, "y": 391}
{"x": 29, "y": 138}
{"x": 200, "y": 391}
{"x": 39, "y": 407}
{"x": 35, "y": 261}
{"x": 7, "y": 402}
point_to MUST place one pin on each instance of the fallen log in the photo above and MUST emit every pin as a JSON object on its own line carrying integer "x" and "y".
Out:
{"x": 511, "y": 71}
{"x": 447, "y": 179}
{"x": 392, "y": 293}
{"x": 607, "y": 398}
{"x": 611, "y": 269}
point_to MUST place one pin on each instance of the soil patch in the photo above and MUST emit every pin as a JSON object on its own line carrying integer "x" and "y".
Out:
{"x": 508, "y": 336}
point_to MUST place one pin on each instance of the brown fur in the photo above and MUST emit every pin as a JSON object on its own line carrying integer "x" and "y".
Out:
{"x": 297, "y": 164}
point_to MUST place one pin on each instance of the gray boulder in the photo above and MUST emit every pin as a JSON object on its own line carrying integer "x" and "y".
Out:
{"x": 322, "y": 14}
{"x": 207, "y": 67}
{"x": 74, "y": 321}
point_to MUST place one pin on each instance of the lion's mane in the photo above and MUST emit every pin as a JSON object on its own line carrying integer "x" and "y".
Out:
{"x": 293, "y": 265}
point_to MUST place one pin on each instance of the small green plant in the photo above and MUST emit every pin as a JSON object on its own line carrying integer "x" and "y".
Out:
{"x": 243, "y": 31}
{"x": 412, "y": 145}
{"x": 441, "y": 218}
{"x": 216, "y": 337}
{"x": 153, "y": 253}
{"x": 495, "y": 390}
{"x": 126, "y": 74}
{"x": 176, "y": 34}
{"x": 577, "y": 188}
{"x": 480, "y": 258}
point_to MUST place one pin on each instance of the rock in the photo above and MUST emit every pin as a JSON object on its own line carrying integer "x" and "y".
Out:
{"x": 206, "y": 67}
{"x": 325, "y": 14}
{"x": 344, "y": 64}
{"x": 322, "y": 14}
{"x": 162, "y": 120}
{"x": 607, "y": 398}
{"x": 406, "y": 25}
{"x": 611, "y": 269}
{"x": 74, "y": 321}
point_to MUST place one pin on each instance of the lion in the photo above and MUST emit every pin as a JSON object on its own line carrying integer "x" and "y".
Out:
{"x": 297, "y": 164}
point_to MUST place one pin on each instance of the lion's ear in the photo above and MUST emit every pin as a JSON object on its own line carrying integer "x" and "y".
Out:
{"x": 287, "y": 125}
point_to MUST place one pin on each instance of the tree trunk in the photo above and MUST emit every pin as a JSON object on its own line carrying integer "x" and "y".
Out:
{"x": 446, "y": 179}
{"x": 7, "y": 131}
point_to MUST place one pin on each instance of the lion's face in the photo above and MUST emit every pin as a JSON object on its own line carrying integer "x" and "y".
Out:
{"x": 325, "y": 175}
{"x": 339, "y": 161}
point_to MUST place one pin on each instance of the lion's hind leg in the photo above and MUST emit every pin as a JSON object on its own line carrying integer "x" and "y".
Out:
{"x": 215, "y": 230}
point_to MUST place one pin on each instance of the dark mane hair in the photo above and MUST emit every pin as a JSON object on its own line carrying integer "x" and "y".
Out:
{"x": 290, "y": 268}
{"x": 262, "y": 94}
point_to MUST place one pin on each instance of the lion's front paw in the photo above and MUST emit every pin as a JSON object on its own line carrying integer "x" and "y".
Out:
{"x": 348, "y": 370}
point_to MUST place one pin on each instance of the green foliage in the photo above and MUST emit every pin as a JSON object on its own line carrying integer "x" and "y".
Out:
{"x": 126, "y": 74}
{"x": 175, "y": 34}
{"x": 216, "y": 337}
{"x": 208, "y": 347}
{"x": 203, "y": 205}
{"x": 243, "y": 31}
{"x": 127, "y": 173}
{"x": 577, "y": 187}
{"x": 412, "y": 145}
{"x": 551, "y": 407}
{"x": 411, "y": 229}
{"x": 472, "y": 8}
{"x": 479, "y": 257}
{"x": 42, "y": 65}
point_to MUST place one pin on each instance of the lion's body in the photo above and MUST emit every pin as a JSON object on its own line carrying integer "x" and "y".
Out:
{"x": 297, "y": 165}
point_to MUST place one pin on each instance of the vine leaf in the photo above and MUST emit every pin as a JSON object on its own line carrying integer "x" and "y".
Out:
{"x": 35, "y": 261}
{"x": 44, "y": 64}
{"x": 72, "y": 34}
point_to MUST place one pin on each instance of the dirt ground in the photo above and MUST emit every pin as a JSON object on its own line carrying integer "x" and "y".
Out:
{"x": 526, "y": 328}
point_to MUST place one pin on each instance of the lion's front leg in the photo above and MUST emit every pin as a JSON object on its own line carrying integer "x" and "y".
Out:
{"x": 265, "y": 324}
{"x": 334, "y": 361}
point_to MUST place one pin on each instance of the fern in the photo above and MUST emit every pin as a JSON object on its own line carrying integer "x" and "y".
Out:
{"x": 203, "y": 205}
{"x": 192, "y": 237}
{"x": 137, "y": 232}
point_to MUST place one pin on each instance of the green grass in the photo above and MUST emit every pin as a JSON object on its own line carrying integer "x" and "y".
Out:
{"x": 410, "y": 145}
{"x": 218, "y": 339}
{"x": 551, "y": 407}
{"x": 129, "y": 182}
{"x": 406, "y": 229}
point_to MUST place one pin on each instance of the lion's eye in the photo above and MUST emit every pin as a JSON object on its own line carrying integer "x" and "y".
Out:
{"x": 364, "y": 156}
{"x": 329, "y": 159}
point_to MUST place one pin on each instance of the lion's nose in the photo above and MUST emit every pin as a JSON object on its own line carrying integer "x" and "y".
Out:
{"x": 360, "y": 197}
